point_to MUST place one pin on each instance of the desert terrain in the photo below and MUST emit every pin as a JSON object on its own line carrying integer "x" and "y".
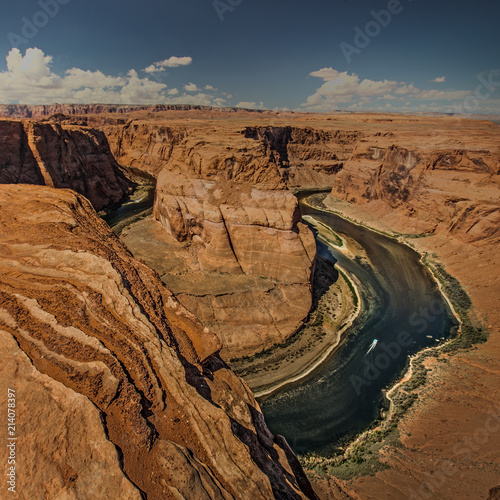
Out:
{"x": 224, "y": 270}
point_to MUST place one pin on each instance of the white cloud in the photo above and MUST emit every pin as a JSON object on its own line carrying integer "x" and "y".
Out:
{"x": 250, "y": 105}
{"x": 191, "y": 87}
{"x": 342, "y": 89}
{"x": 152, "y": 69}
{"x": 439, "y": 79}
{"x": 25, "y": 73}
{"x": 77, "y": 78}
{"x": 171, "y": 62}
{"x": 200, "y": 99}
{"x": 29, "y": 79}
{"x": 326, "y": 73}
{"x": 174, "y": 62}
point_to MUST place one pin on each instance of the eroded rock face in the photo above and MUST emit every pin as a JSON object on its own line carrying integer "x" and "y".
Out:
{"x": 241, "y": 230}
{"x": 61, "y": 156}
{"x": 144, "y": 145}
{"x": 449, "y": 191}
{"x": 308, "y": 157}
{"x": 125, "y": 382}
{"x": 223, "y": 192}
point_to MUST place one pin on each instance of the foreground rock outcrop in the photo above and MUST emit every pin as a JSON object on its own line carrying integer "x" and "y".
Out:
{"x": 120, "y": 391}
{"x": 72, "y": 157}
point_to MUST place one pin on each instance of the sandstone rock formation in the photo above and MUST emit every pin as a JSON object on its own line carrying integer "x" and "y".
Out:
{"x": 120, "y": 390}
{"x": 447, "y": 190}
{"x": 307, "y": 157}
{"x": 223, "y": 191}
{"x": 61, "y": 156}
{"x": 225, "y": 196}
{"x": 145, "y": 146}
{"x": 242, "y": 231}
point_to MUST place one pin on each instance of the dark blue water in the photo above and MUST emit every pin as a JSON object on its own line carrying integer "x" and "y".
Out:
{"x": 402, "y": 308}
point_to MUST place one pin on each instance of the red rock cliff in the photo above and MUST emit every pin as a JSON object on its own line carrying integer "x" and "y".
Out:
{"x": 61, "y": 156}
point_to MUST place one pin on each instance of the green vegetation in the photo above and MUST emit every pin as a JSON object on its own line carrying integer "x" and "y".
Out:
{"x": 351, "y": 287}
{"x": 414, "y": 236}
{"x": 359, "y": 459}
{"x": 472, "y": 330}
{"x": 332, "y": 238}
{"x": 451, "y": 287}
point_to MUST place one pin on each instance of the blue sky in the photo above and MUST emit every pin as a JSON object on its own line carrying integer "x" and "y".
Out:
{"x": 314, "y": 55}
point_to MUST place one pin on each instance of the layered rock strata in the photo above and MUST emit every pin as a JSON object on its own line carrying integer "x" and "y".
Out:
{"x": 448, "y": 191}
{"x": 44, "y": 110}
{"x": 225, "y": 195}
{"x": 72, "y": 157}
{"x": 244, "y": 234}
{"x": 119, "y": 385}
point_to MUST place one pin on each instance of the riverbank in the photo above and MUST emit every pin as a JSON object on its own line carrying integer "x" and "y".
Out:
{"x": 285, "y": 364}
{"x": 316, "y": 202}
{"x": 451, "y": 290}
{"x": 401, "y": 238}
{"x": 137, "y": 205}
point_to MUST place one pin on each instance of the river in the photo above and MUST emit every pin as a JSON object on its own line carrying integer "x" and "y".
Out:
{"x": 140, "y": 201}
{"x": 402, "y": 309}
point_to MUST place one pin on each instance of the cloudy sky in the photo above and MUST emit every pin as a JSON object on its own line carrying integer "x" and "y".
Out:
{"x": 309, "y": 55}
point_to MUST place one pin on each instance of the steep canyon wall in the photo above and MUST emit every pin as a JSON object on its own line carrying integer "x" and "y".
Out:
{"x": 124, "y": 389}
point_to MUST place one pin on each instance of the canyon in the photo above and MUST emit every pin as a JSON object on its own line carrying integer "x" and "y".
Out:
{"x": 142, "y": 353}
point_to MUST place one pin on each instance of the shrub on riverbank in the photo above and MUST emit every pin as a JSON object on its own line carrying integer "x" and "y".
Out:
{"x": 472, "y": 330}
